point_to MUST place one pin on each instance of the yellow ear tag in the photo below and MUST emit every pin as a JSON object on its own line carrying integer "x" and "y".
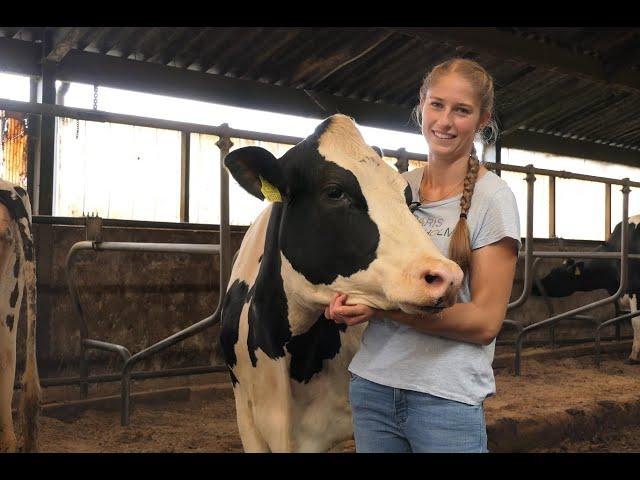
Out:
{"x": 269, "y": 191}
{"x": 577, "y": 271}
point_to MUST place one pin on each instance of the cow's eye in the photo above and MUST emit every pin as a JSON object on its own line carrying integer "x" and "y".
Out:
{"x": 334, "y": 193}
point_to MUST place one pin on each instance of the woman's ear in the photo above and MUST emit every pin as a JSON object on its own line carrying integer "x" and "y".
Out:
{"x": 484, "y": 121}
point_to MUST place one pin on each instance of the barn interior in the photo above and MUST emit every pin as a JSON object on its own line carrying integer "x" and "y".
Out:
{"x": 562, "y": 91}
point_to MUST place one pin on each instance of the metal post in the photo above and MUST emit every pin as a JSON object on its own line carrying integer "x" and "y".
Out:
{"x": 185, "y": 164}
{"x": 552, "y": 207}
{"x": 607, "y": 211}
{"x": 224, "y": 144}
{"x": 402, "y": 164}
{"x": 528, "y": 277}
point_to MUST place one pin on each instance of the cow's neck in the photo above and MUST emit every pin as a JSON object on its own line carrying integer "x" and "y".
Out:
{"x": 599, "y": 274}
{"x": 306, "y": 301}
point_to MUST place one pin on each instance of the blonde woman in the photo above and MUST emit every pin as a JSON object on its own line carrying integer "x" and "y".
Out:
{"x": 418, "y": 383}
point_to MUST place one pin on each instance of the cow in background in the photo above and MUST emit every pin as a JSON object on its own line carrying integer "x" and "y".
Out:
{"x": 602, "y": 273}
{"x": 17, "y": 270}
{"x": 339, "y": 222}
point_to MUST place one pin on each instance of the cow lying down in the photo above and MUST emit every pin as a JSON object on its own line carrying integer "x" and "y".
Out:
{"x": 338, "y": 222}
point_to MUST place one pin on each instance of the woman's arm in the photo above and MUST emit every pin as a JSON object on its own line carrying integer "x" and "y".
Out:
{"x": 479, "y": 321}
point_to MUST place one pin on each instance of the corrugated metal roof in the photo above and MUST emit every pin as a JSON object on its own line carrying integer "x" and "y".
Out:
{"x": 581, "y": 83}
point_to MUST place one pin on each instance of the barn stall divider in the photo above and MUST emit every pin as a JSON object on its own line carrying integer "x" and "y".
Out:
{"x": 223, "y": 249}
{"x": 529, "y": 255}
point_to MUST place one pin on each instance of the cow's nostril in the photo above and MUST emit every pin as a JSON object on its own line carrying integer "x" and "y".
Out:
{"x": 433, "y": 279}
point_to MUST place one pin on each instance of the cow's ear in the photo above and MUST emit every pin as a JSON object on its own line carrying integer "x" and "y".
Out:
{"x": 577, "y": 268}
{"x": 258, "y": 172}
{"x": 568, "y": 262}
{"x": 378, "y": 150}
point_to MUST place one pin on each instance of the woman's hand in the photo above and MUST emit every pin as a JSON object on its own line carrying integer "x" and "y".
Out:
{"x": 348, "y": 314}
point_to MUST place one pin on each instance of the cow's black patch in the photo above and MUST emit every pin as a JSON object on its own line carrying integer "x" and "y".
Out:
{"x": 18, "y": 212}
{"x": 408, "y": 194}
{"x": 268, "y": 312}
{"x": 16, "y": 267}
{"x": 234, "y": 379}
{"x": 250, "y": 293}
{"x": 230, "y": 321}
{"x": 326, "y": 228}
{"x": 27, "y": 242}
{"x": 9, "y": 322}
{"x": 14, "y": 296}
{"x": 309, "y": 350}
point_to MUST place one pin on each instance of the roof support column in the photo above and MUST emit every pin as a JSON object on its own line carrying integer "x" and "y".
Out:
{"x": 45, "y": 149}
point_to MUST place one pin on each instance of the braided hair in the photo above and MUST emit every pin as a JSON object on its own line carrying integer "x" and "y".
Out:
{"x": 479, "y": 78}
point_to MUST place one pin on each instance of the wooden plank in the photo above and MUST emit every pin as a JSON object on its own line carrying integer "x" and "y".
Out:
{"x": 542, "y": 142}
{"x": 153, "y": 78}
{"x": 17, "y": 56}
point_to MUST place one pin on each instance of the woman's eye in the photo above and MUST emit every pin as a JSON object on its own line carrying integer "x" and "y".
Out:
{"x": 335, "y": 193}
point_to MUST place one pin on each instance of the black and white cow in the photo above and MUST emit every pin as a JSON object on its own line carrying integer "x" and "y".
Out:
{"x": 339, "y": 222}
{"x": 596, "y": 274}
{"x": 17, "y": 270}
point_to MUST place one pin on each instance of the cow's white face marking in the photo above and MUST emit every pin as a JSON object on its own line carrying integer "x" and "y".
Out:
{"x": 395, "y": 279}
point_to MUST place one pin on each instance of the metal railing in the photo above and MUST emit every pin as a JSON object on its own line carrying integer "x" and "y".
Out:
{"x": 96, "y": 244}
{"x": 529, "y": 254}
{"x": 225, "y": 133}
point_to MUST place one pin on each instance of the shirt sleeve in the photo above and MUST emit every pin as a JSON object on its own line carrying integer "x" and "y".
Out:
{"x": 501, "y": 220}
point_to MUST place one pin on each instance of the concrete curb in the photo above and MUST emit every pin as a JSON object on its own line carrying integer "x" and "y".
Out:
{"x": 507, "y": 359}
{"x": 70, "y": 409}
{"x": 509, "y": 435}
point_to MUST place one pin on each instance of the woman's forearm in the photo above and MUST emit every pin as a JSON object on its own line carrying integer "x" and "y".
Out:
{"x": 464, "y": 322}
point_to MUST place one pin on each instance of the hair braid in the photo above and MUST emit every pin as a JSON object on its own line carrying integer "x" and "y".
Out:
{"x": 460, "y": 245}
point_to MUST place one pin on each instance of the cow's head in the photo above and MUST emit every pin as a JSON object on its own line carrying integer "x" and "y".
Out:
{"x": 345, "y": 223}
{"x": 562, "y": 281}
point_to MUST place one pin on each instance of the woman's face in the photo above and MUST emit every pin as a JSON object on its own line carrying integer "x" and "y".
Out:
{"x": 451, "y": 116}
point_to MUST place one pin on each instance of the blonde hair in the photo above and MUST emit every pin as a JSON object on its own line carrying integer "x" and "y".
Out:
{"x": 482, "y": 83}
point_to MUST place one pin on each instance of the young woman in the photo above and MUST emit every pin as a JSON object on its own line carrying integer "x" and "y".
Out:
{"x": 418, "y": 382}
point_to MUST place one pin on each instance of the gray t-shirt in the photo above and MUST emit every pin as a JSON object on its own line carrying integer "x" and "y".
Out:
{"x": 398, "y": 356}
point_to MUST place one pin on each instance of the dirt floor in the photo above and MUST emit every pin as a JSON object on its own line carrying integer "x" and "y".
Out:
{"x": 548, "y": 391}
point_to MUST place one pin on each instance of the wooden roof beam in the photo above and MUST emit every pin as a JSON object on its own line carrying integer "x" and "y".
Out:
{"x": 67, "y": 38}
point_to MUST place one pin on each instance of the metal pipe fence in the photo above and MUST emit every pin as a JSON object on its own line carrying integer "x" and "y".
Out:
{"x": 224, "y": 144}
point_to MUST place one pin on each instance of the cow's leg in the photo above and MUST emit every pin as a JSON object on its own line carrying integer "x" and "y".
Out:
{"x": 7, "y": 375}
{"x": 30, "y": 398}
{"x": 8, "y": 329}
{"x": 252, "y": 441}
{"x": 635, "y": 323}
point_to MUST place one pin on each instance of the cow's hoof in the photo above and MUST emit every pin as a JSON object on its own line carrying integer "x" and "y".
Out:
{"x": 631, "y": 361}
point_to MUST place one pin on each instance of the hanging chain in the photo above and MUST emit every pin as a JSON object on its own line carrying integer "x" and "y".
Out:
{"x": 95, "y": 97}
{"x": 2, "y": 127}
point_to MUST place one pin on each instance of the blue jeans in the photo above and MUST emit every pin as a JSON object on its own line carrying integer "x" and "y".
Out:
{"x": 393, "y": 420}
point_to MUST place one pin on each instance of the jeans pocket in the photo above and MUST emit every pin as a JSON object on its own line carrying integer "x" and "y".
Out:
{"x": 352, "y": 377}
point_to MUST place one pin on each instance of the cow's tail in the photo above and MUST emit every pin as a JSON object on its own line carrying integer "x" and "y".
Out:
{"x": 30, "y": 398}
